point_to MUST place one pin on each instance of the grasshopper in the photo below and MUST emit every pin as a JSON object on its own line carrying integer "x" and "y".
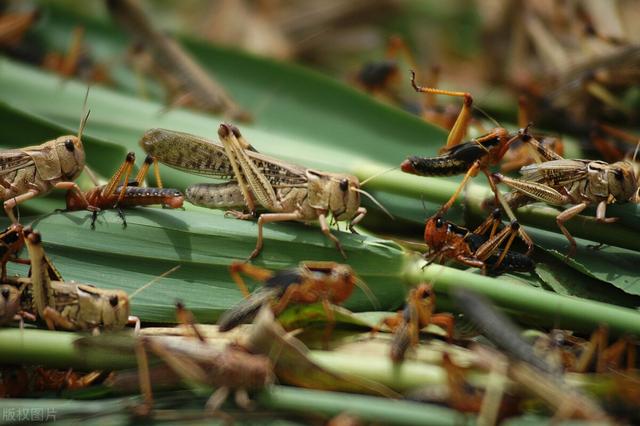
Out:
{"x": 231, "y": 368}
{"x": 70, "y": 305}
{"x": 28, "y": 172}
{"x": 115, "y": 195}
{"x": 186, "y": 81}
{"x": 287, "y": 191}
{"x": 416, "y": 315}
{"x": 559, "y": 182}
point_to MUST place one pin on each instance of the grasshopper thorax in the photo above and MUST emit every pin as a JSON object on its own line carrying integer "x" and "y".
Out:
{"x": 71, "y": 155}
{"x": 622, "y": 180}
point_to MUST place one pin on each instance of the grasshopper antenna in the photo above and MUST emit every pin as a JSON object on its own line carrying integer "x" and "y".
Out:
{"x": 185, "y": 317}
{"x": 367, "y": 292}
{"x": 154, "y": 280}
{"x": 377, "y": 175}
{"x": 376, "y": 202}
{"x": 487, "y": 115}
{"x": 85, "y": 114}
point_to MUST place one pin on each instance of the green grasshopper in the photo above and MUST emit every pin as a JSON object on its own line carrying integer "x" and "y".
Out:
{"x": 287, "y": 191}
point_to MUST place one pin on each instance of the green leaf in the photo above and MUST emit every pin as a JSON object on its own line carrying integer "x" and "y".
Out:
{"x": 204, "y": 243}
{"x": 610, "y": 264}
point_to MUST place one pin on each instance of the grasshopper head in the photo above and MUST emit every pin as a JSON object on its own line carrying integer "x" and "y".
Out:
{"x": 622, "y": 180}
{"x": 115, "y": 310}
{"x": 333, "y": 192}
{"x": 435, "y": 232}
{"x": 71, "y": 154}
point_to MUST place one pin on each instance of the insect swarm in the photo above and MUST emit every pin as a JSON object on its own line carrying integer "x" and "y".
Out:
{"x": 287, "y": 191}
{"x": 127, "y": 194}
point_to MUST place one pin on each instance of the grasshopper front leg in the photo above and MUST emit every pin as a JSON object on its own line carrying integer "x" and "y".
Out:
{"x": 324, "y": 226}
{"x": 269, "y": 218}
{"x": 360, "y": 214}
{"x": 12, "y": 202}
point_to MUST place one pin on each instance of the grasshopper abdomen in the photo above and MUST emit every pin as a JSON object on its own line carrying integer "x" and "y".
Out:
{"x": 435, "y": 166}
{"x": 215, "y": 195}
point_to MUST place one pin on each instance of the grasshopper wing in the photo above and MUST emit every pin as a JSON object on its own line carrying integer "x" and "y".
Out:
{"x": 187, "y": 152}
{"x": 193, "y": 154}
{"x": 556, "y": 172}
{"x": 14, "y": 159}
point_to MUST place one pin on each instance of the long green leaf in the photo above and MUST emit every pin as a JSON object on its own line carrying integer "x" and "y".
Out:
{"x": 203, "y": 243}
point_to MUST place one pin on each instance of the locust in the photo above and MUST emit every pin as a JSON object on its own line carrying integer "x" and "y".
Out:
{"x": 69, "y": 305}
{"x": 580, "y": 183}
{"x": 187, "y": 83}
{"x": 310, "y": 282}
{"x": 287, "y": 191}
{"x": 32, "y": 171}
{"x": 480, "y": 248}
{"x": 231, "y": 368}
{"x": 126, "y": 194}
{"x": 470, "y": 157}
{"x": 417, "y": 314}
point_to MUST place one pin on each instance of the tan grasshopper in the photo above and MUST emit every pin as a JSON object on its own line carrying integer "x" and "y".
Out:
{"x": 582, "y": 183}
{"x": 229, "y": 369}
{"x": 287, "y": 191}
{"x": 186, "y": 82}
{"x": 69, "y": 305}
{"x": 28, "y": 172}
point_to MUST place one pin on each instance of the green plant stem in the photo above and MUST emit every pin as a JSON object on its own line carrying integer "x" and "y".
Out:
{"x": 379, "y": 410}
{"x": 548, "y": 308}
{"x": 438, "y": 190}
{"x": 55, "y": 349}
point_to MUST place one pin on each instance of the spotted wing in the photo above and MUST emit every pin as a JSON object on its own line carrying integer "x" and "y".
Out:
{"x": 556, "y": 172}
{"x": 14, "y": 159}
{"x": 193, "y": 154}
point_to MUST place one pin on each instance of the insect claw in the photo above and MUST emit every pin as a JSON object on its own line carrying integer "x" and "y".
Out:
{"x": 94, "y": 217}
{"x": 124, "y": 220}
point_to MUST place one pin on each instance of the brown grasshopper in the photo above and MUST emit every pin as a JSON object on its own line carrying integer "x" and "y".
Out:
{"x": 559, "y": 182}
{"x": 70, "y": 305}
{"x": 287, "y": 191}
{"x": 186, "y": 81}
{"x": 28, "y": 172}
{"x": 231, "y": 368}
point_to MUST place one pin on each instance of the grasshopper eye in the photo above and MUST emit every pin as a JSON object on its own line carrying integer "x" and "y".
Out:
{"x": 618, "y": 174}
{"x": 5, "y": 293}
{"x": 69, "y": 145}
{"x": 113, "y": 301}
{"x": 344, "y": 185}
{"x": 439, "y": 222}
